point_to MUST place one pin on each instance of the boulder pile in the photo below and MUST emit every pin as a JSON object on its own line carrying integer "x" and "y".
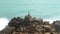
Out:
{"x": 28, "y": 25}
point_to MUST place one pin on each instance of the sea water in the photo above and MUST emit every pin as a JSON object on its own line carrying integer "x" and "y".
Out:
{"x": 38, "y": 8}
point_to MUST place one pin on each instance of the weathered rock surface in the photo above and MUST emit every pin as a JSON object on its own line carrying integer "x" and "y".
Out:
{"x": 56, "y": 24}
{"x": 28, "y": 25}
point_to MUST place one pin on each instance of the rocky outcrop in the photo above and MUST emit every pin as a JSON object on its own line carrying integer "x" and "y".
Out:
{"x": 56, "y": 24}
{"x": 28, "y": 25}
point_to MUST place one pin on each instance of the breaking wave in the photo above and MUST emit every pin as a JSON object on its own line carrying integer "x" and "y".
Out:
{"x": 3, "y": 23}
{"x": 54, "y": 18}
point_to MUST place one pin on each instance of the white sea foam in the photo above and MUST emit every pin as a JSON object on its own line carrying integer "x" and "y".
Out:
{"x": 3, "y": 23}
{"x": 52, "y": 19}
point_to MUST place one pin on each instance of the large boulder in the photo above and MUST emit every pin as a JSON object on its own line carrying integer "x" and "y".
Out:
{"x": 56, "y": 24}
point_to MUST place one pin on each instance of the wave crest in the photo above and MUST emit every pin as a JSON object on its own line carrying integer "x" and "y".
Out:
{"x": 3, "y": 23}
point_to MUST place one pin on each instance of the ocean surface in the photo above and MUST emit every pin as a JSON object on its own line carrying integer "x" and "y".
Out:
{"x": 46, "y": 9}
{"x": 38, "y": 8}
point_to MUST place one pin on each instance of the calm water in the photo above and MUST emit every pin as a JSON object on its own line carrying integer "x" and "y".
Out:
{"x": 38, "y": 8}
